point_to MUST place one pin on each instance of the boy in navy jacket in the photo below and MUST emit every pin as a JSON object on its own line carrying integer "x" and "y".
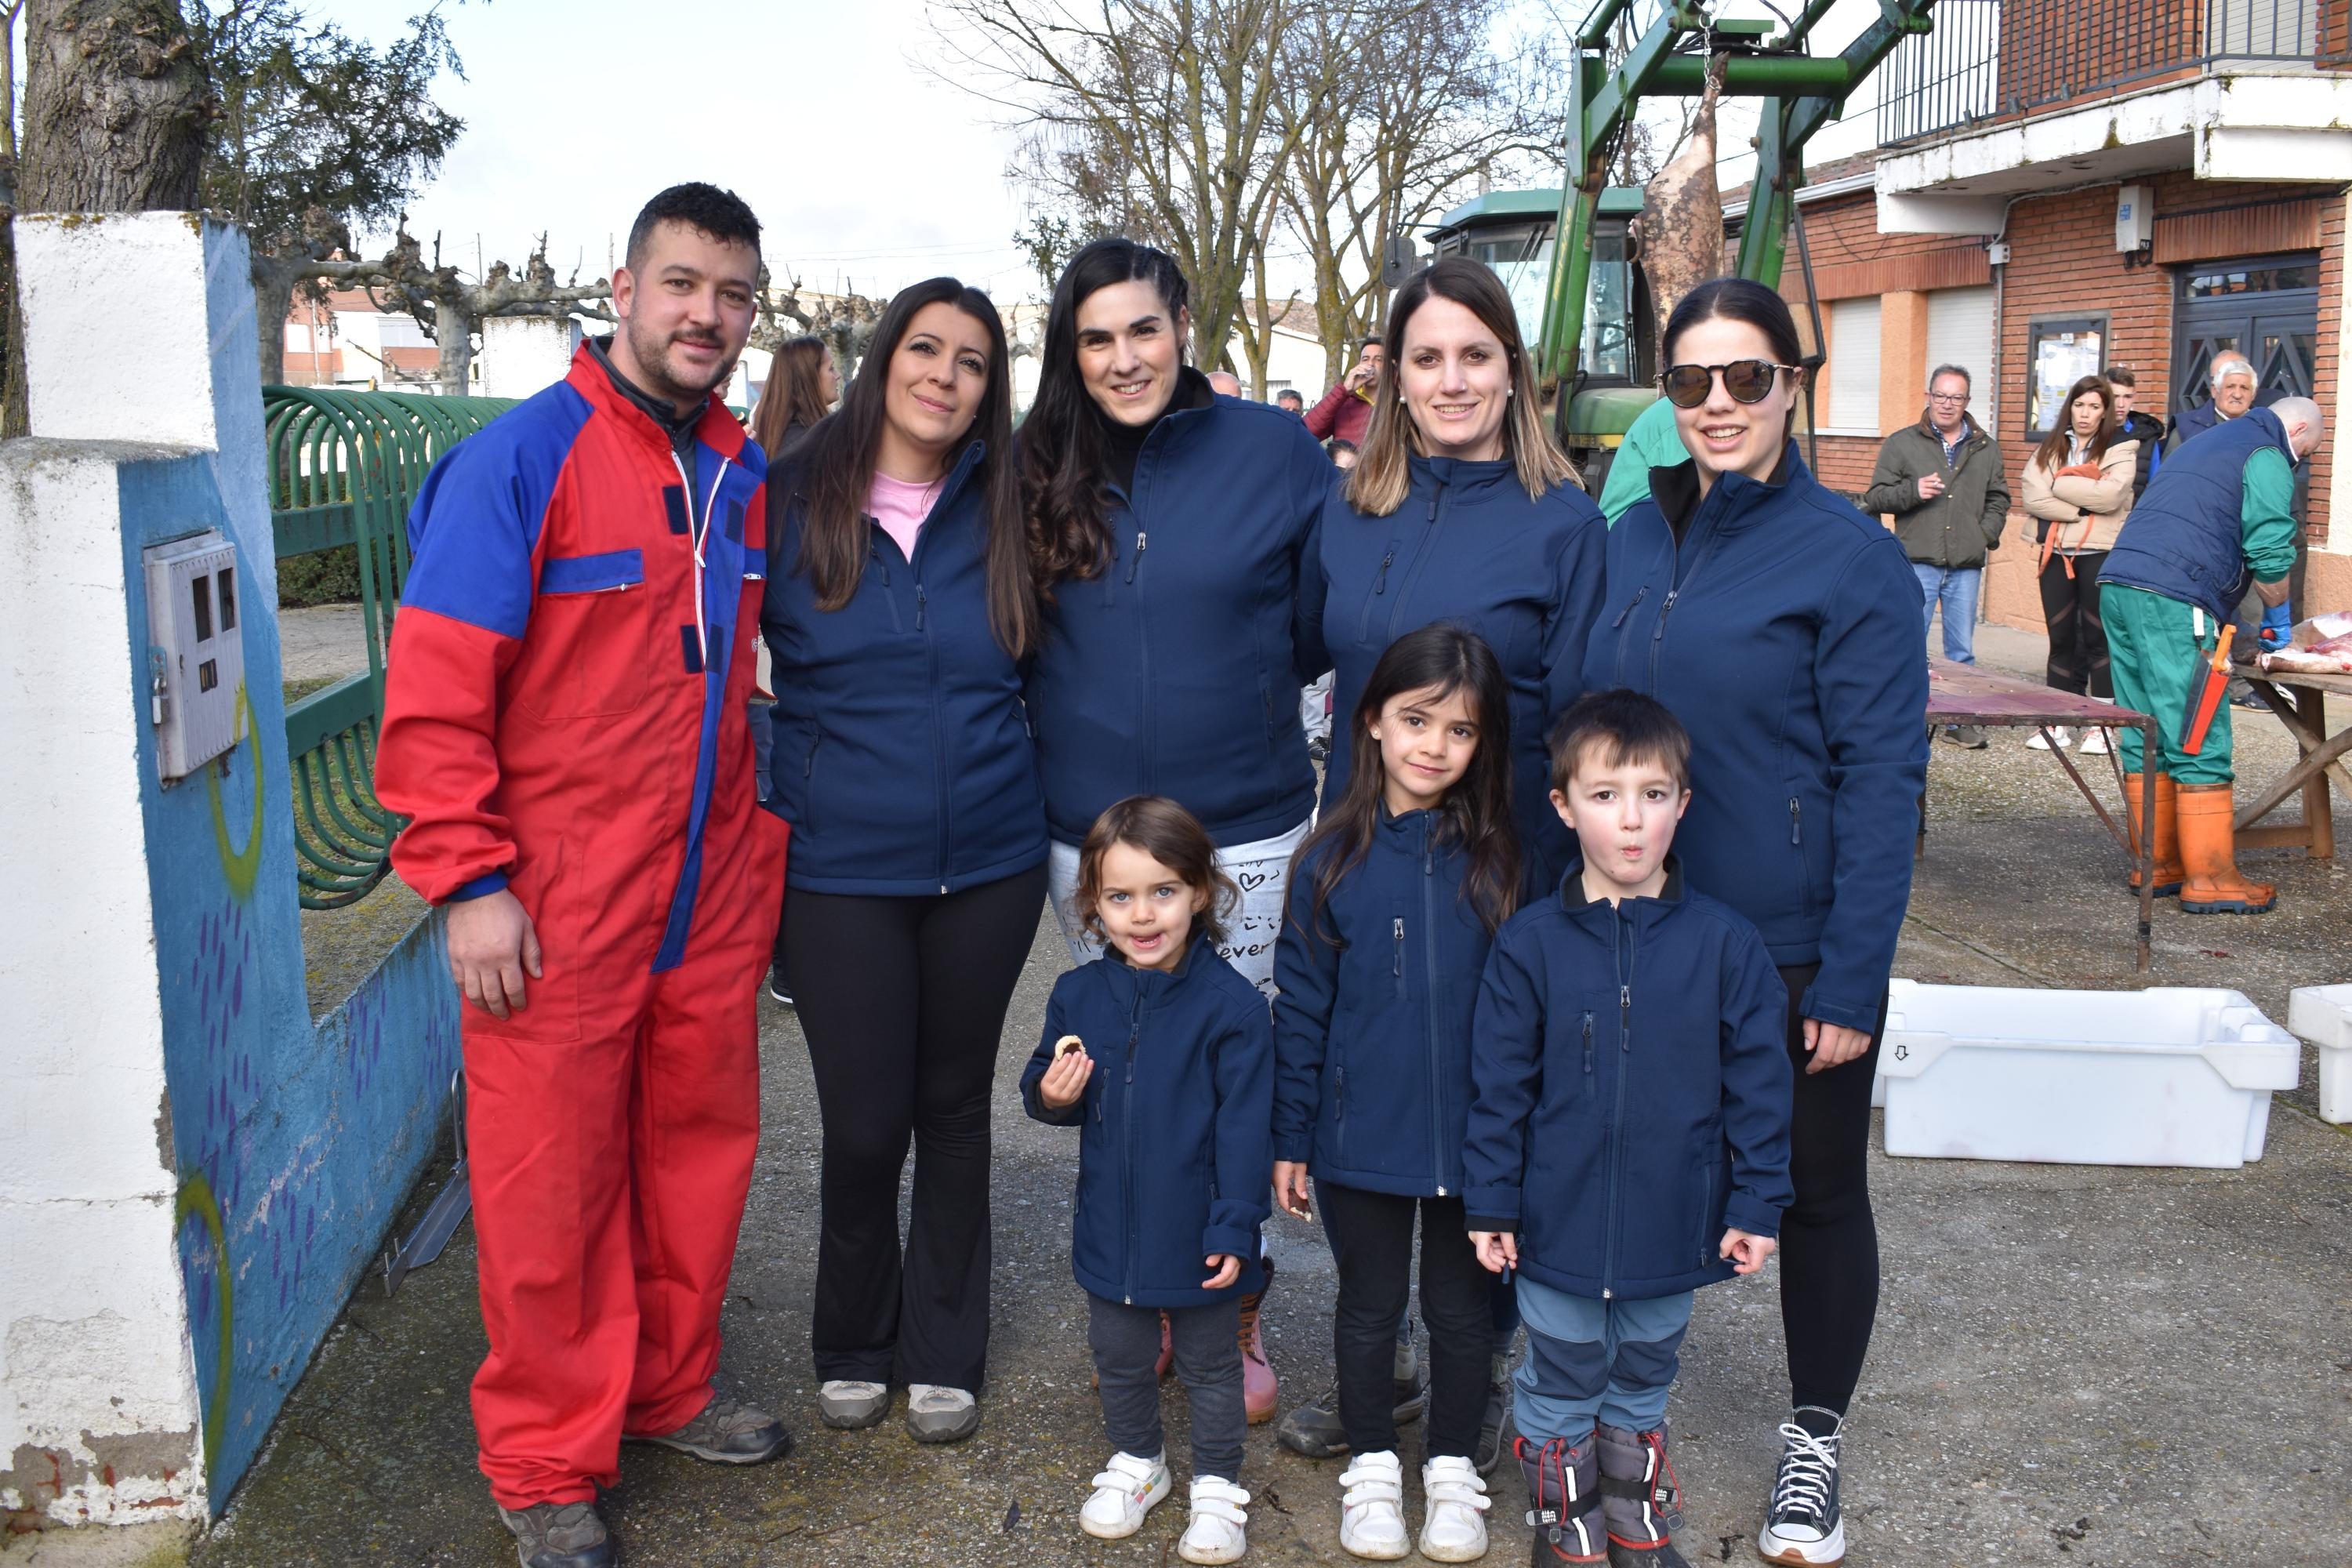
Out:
{"x": 1630, "y": 1138}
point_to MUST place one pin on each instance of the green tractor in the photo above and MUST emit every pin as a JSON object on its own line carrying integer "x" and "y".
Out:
{"x": 1586, "y": 304}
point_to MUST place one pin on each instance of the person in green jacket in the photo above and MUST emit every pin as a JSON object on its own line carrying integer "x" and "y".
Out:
{"x": 1651, "y": 442}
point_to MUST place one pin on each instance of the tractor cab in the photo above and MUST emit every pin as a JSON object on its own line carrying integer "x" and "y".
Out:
{"x": 1512, "y": 232}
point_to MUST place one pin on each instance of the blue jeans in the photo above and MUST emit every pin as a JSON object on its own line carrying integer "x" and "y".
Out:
{"x": 1590, "y": 1360}
{"x": 1956, "y": 587}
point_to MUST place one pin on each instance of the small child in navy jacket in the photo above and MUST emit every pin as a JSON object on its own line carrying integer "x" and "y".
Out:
{"x": 1630, "y": 1139}
{"x": 1163, "y": 1059}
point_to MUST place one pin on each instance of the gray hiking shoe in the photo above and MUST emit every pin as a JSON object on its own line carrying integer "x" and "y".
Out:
{"x": 849, "y": 1406}
{"x": 727, "y": 1432}
{"x": 1314, "y": 1429}
{"x": 938, "y": 1414}
{"x": 1498, "y": 1422}
{"x": 560, "y": 1535}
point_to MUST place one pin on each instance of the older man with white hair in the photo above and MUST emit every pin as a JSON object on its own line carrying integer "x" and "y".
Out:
{"x": 2220, "y": 512}
{"x": 2229, "y": 386}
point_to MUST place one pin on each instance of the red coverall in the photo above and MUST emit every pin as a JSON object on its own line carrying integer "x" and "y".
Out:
{"x": 562, "y": 718}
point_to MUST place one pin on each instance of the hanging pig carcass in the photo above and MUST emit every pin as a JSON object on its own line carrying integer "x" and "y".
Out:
{"x": 1681, "y": 212}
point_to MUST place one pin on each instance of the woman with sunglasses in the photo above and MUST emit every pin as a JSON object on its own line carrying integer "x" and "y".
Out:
{"x": 1782, "y": 627}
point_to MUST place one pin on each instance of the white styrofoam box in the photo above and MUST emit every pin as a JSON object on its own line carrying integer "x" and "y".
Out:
{"x": 2173, "y": 1076}
{"x": 2323, "y": 1015}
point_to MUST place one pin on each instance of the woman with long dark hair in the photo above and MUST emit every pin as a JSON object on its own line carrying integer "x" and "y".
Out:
{"x": 1782, "y": 627}
{"x": 799, "y": 390}
{"x": 899, "y": 611}
{"x": 1169, "y": 529}
{"x": 2078, "y": 483}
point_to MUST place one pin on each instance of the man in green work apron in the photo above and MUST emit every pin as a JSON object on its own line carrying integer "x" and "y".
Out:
{"x": 2219, "y": 511}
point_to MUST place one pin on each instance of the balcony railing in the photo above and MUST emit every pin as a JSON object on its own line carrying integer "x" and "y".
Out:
{"x": 1987, "y": 60}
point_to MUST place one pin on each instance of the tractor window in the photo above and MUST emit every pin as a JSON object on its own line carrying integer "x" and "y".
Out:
{"x": 1522, "y": 259}
{"x": 1608, "y": 347}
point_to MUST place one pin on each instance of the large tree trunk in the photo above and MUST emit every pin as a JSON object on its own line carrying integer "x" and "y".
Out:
{"x": 115, "y": 104}
{"x": 273, "y": 301}
{"x": 453, "y": 329}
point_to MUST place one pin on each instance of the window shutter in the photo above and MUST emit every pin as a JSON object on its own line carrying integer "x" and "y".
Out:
{"x": 1961, "y": 332}
{"x": 1853, "y": 366}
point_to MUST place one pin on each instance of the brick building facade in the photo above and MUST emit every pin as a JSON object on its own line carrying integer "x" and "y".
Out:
{"x": 1985, "y": 241}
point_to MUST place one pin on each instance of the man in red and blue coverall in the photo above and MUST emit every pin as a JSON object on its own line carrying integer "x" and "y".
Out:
{"x": 564, "y": 726}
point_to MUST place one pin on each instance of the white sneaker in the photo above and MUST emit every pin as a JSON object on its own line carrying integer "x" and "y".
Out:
{"x": 938, "y": 1414}
{"x": 1215, "y": 1534}
{"x": 1454, "y": 1527}
{"x": 1371, "y": 1509}
{"x": 2094, "y": 744}
{"x": 2056, "y": 737}
{"x": 850, "y": 1405}
{"x": 1128, "y": 1489}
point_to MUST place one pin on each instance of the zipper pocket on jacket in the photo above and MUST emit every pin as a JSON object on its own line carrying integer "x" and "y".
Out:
{"x": 1587, "y": 1043}
{"x": 1396, "y": 965}
{"x": 1380, "y": 587}
{"x": 1796, "y": 821}
{"x": 1634, "y": 603}
{"x": 1136, "y": 560}
{"x": 807, "y": 823}
{"x": 1625, "y": 632}
{"x": 1710, "y": 1241}
{"x": 889, "y": 595}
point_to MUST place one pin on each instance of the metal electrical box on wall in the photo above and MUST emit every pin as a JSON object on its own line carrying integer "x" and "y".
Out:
{"x": 2135, "y": 218}
{"x": 197, "y": 655}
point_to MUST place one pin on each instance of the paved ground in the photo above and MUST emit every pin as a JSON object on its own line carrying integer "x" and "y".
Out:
{"x": 325, "y": 642}
{"x": 2074, "y": 1365}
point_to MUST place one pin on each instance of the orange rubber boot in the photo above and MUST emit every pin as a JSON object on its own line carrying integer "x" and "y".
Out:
{"x": 2209, "y": 852}
{"x": 1259, "y": 1390}
{"x": 2169, "y": 873}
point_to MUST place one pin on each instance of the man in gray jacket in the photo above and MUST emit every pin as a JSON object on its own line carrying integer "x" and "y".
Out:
{"x": 1945, "y": 481}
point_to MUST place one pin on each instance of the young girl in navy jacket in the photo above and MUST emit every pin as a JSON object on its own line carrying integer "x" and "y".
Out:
{"x": 1392, "y": 906}
{"x": 1163, "y": 1058}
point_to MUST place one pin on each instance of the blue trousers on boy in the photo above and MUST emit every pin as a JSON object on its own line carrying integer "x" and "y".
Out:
{"x": 1593, "y": 1362}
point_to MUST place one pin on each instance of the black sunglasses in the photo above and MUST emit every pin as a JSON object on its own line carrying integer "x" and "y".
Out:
{"x": 1747, "y": 381}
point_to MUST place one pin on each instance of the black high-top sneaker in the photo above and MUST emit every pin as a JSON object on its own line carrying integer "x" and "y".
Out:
{"x": 1802, "y": 1527}
{"x": 1564, "y": 1486}
{"x": 1640, "y": 1497}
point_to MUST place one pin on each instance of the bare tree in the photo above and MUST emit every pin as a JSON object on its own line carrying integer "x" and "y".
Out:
{"x": 1155, "y": 117}
{"x": 1393, "y": 107}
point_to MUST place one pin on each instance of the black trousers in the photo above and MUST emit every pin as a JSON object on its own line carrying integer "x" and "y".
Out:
{"x": 2078, "y": 638}
{"x": 1828, "y": 1239}
{"x": 1371, "y": 1242}
{"x": 903, "y": 1003}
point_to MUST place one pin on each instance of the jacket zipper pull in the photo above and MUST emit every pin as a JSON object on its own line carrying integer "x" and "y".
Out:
{"x": 1634, "y": 603}
{"x": 880, "y": 564}
{"x": 1625, "y": 1017}
{"x": 1381, "y": 583}
{"x": 1587, "y": 1045}
{"x": 1796, "y": 833}
{"x": 1136, "y": 560}
{"x": 920, "y": 601}
{"x": 808, "y": 769}
{"x": 1131, "y": 1035}
{"x": 1398, "y": 967}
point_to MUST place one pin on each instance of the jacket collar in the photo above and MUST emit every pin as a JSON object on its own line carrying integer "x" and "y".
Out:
{"x": 1970, "y": 431}
{"x": 1468, "y": 480}
{"x": 651, "y": 419}
{"x": 1737, "y": 503}
{"x": 1129, "y": 984}
{"x": 1643, "y": 912}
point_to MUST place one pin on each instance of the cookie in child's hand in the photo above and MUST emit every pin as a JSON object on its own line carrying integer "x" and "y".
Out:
{"x": 1068, "y": 1045}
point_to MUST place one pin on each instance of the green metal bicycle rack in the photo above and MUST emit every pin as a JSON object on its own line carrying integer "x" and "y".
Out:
{"x": 344, "y": 468}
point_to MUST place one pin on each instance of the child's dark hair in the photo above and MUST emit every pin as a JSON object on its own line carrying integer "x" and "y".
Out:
{"x": 1170, "y": 834}
{"x": 1477, "y": 811}
{"x": 1628, "y": 726}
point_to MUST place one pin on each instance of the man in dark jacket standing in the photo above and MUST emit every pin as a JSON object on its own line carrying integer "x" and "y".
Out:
{"x": 1945, "y": 481}
{"x": 2133, "y": 426}
{"x": 2230, "y": 383}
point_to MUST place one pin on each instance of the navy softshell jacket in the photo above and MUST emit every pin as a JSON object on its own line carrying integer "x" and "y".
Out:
{"x": 1371, "y": 1023}
{"x": 1783, "y": 630}
{"x": 1471, "y": 548}
{"x": 1633, "y": 1091}
{"x": 1174, "y": 1159}
{"x": 1176, "y": 670}
{"x": 902, "y": 755}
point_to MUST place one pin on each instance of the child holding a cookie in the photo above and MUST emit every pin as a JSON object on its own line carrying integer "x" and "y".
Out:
{"x": 1162, "y": 1057}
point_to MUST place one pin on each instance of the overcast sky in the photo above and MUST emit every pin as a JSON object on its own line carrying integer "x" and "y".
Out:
{"x": 864, "y": 169}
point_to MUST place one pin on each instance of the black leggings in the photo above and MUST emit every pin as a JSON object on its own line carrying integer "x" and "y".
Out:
{"x": 1371, "y": 1242}
{"x": 2078, "y": 638}
{"x": 1828, "y": 1241}
{"x": 903, "y": 1003}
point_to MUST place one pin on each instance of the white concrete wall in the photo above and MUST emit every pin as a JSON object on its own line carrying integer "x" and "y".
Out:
{"x": 524, "y": 354}
{"x": 99, "y": 1414}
